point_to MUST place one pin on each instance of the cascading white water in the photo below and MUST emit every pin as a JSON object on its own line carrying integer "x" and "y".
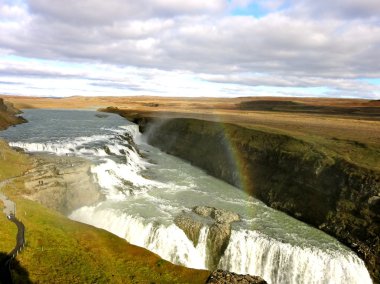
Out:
{"x": 277, "y": 262}
{"x": 132, "y": 130}
{"x": 143, "y": 198}
{"x": 170, "y": 242}
{"x": 248, "y": 252}
{"x": 81, "y": 146}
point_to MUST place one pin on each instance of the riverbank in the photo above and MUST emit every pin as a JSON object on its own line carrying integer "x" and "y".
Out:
{"x": 9, "y": 115}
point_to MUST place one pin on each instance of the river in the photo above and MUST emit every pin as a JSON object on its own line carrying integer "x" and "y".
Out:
{"x": 145, "y": 189}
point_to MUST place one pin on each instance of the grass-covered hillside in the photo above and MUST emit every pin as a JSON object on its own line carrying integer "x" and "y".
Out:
{"x": 59, "y": 250}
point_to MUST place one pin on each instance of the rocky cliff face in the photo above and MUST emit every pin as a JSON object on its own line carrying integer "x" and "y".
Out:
{"x": 288, "y": 174}
{"x": 61, "y": 183}
{"x": 8, "y": 115}
{"x": 218, "y": 222}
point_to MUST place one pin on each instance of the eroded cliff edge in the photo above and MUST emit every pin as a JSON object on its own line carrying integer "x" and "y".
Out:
{"x": 297, "y": 177}
{"x": 9, "y": 115}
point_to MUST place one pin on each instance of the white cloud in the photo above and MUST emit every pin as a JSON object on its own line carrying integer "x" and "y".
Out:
{"x": 306, "y": 44}
{"x": 100, "y": 12}
{"x": 289, "y": 81}
{"x": 349, "y": 9}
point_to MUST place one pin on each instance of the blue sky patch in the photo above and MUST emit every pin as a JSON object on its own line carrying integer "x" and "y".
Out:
{"x": 373, "y": 81}
{"x": 254, "y": 10}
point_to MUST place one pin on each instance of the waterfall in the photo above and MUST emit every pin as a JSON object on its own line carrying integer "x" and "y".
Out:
{"x": 248, "y": 252}
{"x": 170, "y": 242}
{"x": 133, "y": 130}
{"x": 257, "y": 254}
{"x": 86, "y": 145}
{"x": 142, "y": 209}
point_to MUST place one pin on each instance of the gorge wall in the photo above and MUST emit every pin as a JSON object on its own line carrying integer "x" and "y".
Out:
{"x": 286, "y": 173}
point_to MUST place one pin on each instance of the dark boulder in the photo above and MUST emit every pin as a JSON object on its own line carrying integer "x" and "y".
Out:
{"x": 224, "y": 277}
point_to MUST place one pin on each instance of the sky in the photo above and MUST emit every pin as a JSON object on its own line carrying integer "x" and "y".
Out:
{"x": 209, "y": 48}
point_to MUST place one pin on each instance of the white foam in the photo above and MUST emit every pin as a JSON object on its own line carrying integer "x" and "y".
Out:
{"x": 114, "y": 179}
{"x": 133, "y": 130}
{"x": 63, "y": 147}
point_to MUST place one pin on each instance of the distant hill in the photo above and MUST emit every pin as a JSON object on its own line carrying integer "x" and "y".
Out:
{"x": 371, "y": 109}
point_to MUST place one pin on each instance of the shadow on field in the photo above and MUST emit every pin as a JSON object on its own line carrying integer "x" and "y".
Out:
{"x": 18, "y": 274}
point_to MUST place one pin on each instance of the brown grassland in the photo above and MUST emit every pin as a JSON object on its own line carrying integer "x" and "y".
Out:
{"x": 346, "y": 127}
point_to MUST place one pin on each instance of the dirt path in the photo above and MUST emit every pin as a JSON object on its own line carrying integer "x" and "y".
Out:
{"x": 9, "y": 205}
{"x": 10, "y": 211}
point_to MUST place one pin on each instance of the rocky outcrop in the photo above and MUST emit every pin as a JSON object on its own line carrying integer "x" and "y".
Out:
{"x": 10, "y": 108}
{"x": 61, "y": 183}
{"x": 217, "y": 242}
{"x": 224, "y": 277}
{"x": 287, "y": 173}
{"x": 219, "y": 223}
{"x": 9, "y": 115}
{"x": 142, "y": 120}
{"x": 219, "y": 215}
{"x": 190, "y": 226}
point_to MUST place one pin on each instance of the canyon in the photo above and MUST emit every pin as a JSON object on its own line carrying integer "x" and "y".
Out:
{"x": 316, "y": 160}
{"x": 302, "y": 178}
